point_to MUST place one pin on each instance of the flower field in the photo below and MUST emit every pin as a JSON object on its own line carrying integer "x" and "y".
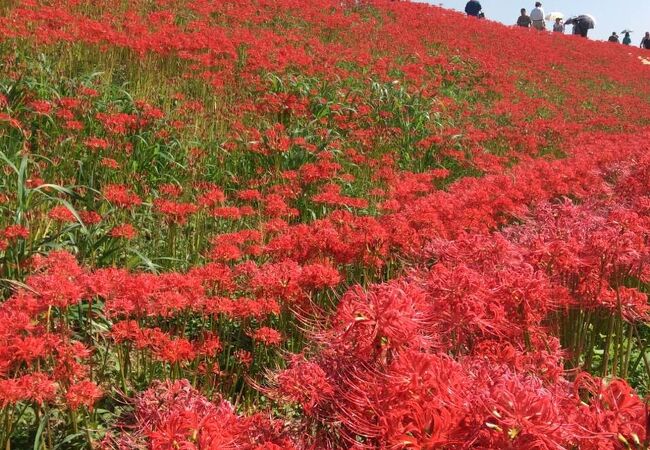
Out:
{"x": 283, "y": 224}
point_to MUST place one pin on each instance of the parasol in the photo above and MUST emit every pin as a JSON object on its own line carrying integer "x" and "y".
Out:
{"x": 554, "y": 15}
{"x": 587, "y": 19}
{"x": 584, "y": 19}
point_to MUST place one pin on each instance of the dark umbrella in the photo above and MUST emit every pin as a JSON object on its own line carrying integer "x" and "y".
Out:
{"x": 588, "y": 20}
{"x": 585, "y": 20}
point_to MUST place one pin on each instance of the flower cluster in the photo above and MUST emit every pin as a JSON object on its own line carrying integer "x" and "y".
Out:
{"x": 318, "y": 225}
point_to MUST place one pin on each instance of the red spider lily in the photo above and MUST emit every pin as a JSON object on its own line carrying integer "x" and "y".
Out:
{"x": 110, "y": 163}
{"x": 275, "y": 206}
{"x": 118, "y": 123}
{"x": 61, "y": 282}
{"x": 249, "y": 195}
{"x": 13, "y": 232}
{"x": 90, "y": 217}
{"x": 267, "y": 336}
{"x": 14, "y": 123}
{"x": 174, "y": 415}
{"x": 30, "y": 348}
{"x": 74, "y": 125}
{"x": 614, "y": 411}
{"x": 41, "y": 106}
{"x": 121, "y": 196}
{"x": 304, "y": 383}
{"x": 126, "y": 330}
{"x": 62, "y": 214}
{"x": 171, "y": 190}
{"x": 209, "y": 345}
{"x": 244, "y": 357}
{"x": 375, "y": 324}
{"x": 96, "y": 143}
{"x": 36, "y": 387}
{"x": 65, "y": 114}
{"x": 226, "y": 212}
{"x": 174, "y": 350}
{"x": 124, "y": 231}
{"x": 331, "y": 196}
{"x": 88, "y": 92}
{"x": 175, "y": 212}
{"x": 69, "y": 103}
{"x": 523, "y": 414}
{"x": 214, "y": 276}
{"x": 84, "y": 393}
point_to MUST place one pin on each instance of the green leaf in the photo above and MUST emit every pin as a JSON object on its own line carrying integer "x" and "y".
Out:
{"x": 39, "y": 431}
{"x": 151, "y": 266}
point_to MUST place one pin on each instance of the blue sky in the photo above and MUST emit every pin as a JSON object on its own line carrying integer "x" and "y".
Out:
{"x": 611, "y": 15}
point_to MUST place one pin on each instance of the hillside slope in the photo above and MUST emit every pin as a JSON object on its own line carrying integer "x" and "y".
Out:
{"x": 267, "y": 224}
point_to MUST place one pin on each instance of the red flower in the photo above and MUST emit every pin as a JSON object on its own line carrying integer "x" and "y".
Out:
{"x": 209, "y": 345}
{"x": 226, "y": 212}
{"x": 118, "y": 123}
{"x": 267, "y": 336}
{"x": 124, "y": 231}
{"x": 84, "y": 393}
{"x": 88, "y": 92}
{"x": 41, "y": 106}
{"x": 74, "y": 125}
{"x": 171, "y": 190}
{"x": 244, "y": 357}
{"x": 90, "y": 217}
{"x": 121, "y": 196}
{"x": 96, "y": 143}
{"x": 13, "y": 232}
{"x": 304, "y": 383}
{"x": 175, "y": 212}
{"x": 175, "y": 350}
{"x": 61, "y": 214}
{"x": 110, "y": 163}
{"x": 15, "y": 123}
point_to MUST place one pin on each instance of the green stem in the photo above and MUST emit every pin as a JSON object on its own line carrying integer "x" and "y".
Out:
{"x": 642, "y": 348}
{"x": 608, "y": 342}
{"x": 628, "y": 352}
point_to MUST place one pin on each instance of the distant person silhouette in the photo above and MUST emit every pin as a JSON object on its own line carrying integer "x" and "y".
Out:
{"x": 537, "y": 16}
{"x": 473, "y": 8}
{"x": 645, "y": 43}
{"x": 627, "y": 40}
{"x": 558, "y": 26}
{"x": 580, "y": 28}
{"x": 524, "y": 19}
{"x": 614, "y": 38}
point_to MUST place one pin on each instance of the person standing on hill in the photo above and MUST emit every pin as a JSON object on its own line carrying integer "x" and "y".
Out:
{"x": 473, "y": 8}
{"x": 537, "y": 16}
{"x": 558, "y": 26}
{"x": 580, "y": 27}
{"x": 627, "y": 40}
{"x": 645, "y": 43}
{"x": 614, "y": 38}
{"x": 524, "y": 19}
